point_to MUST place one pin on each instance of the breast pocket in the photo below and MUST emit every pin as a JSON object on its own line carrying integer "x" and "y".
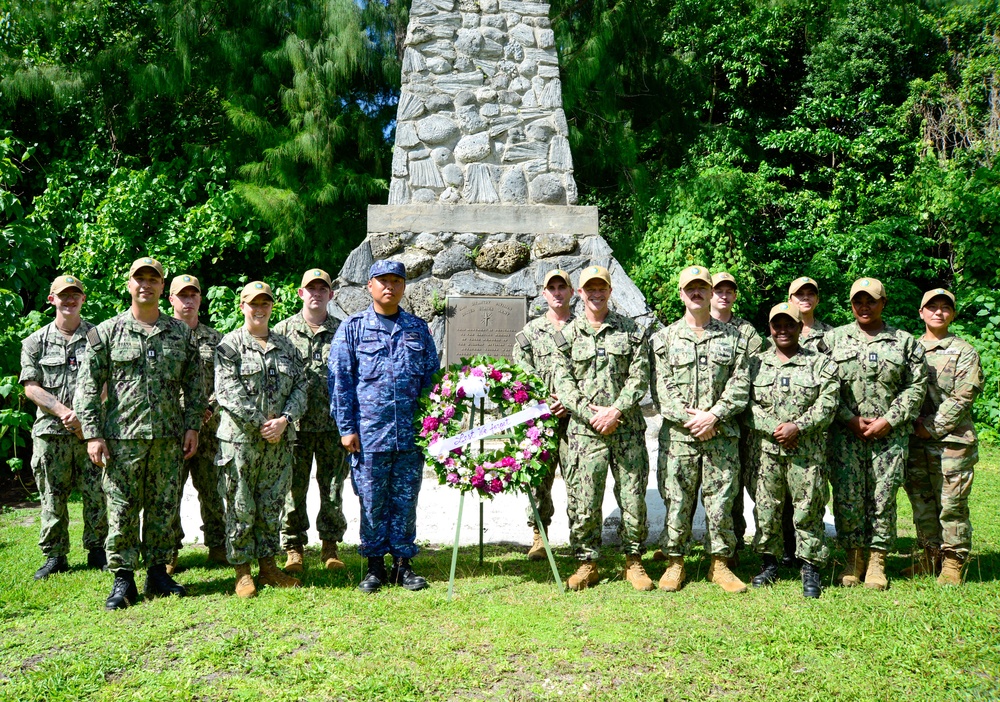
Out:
{"x": 891, "y": 367}
{"x": 761, "y": 388}
{"x": 126, "y": 362}
{"x": 171, "y": 362}
{"x": 52, "y": 367}
{"x": 941, "y": 371}
{"x": 805, "y": 392}
{"x": 371, "y": 361}
{"x": 722, "y": 358}
{"x": 847, "y": 363}
{"x": 252, "y": 376}
{"x": 619, "y": 353}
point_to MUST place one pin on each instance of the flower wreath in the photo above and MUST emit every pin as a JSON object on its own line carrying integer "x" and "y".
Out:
{"x": 529, "y": 448}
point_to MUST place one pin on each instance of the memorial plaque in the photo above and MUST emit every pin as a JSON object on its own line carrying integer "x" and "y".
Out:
{"x": 483, "y": 325}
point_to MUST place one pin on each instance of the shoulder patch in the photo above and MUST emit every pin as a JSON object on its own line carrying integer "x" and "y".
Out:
{"x": 228, "y": 352}
{"x": 638, "y": 335}
{"x": 522, "y": 341}
{"x": 560, "y": 341}
{"x": 657, "y": 343}
{"x": 94, "y": 339}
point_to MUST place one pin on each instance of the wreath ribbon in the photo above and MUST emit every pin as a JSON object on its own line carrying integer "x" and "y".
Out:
{"x": 443, "y": 446}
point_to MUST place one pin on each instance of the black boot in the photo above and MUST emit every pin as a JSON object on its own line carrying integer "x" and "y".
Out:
{"x": 159, "y": 583}
{"x": 375, "y": 578}
{"x": 53, "y": 564}
{"x": 811, "y": 586}
{"x": 124, "y": 592}
{"x": 402, "y": 574}
{"x": 768, "y": 574}
{"x": 97, "y": 558}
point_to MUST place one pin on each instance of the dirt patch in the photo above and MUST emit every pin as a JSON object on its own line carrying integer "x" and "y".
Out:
{"x": 17, "y": 489}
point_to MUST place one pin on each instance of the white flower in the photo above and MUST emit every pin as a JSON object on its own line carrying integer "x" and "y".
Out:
{"x": 473, "y": 386}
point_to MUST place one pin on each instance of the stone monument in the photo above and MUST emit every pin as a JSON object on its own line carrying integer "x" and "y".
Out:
{"x": 483, "y": 199}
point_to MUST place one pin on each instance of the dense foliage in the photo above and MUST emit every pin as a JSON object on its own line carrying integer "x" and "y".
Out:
{"x": 244, "y": 140}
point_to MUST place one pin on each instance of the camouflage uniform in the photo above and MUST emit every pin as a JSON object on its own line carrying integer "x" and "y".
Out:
{"x": 375, "y": 382}
{"x": 534, "y": 352}
{"x": 316, "y": 436}
{"x": 803, "y": 390}
{"x": 940, "y": 470}
{"x": 59, "y": 459}
{"x": 201, "y": 467}
{"x": 879, "y": 377}
{"x": 710, "y": 374}
{"x": 253, "y": 385}
{"x": 607, "y": 367}
{"x": 143, "y": 423}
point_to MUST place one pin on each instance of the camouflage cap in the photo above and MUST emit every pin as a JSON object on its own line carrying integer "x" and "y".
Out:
{"x": 315, "y": 274}
{"x": 556, "y": 273}
{"x": 868, "y": 285}
{"x": 936, "y": 292}
{"x": 723, "y": 277}
{"x": 145, "y": 262}
{"x": 784, "y": 308}
{"x": 386, "y": 267}
{"x": 184, "y": 281}
{"x": 252, "y": 290}
{"x": 692, "y": 273}
{"x": 594, "y": 273}
{"x": 65, "y": 282}
{"x": 800, "y": 283}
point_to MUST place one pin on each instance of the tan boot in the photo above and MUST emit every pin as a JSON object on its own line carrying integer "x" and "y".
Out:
{"x": 673, "y": 577}
{"x": 293, "y": 564}
{"x": 659, "y": 555}
{"x": 585, "y": 576}
{"x": 172, "y": 564}
{"x": 927, "y": 563}
{"x": 636, "y": 574}
{"x": 851, "y": 575}
{"x": 951, "y": 569}
{"x": 245, "y": 587}
{"x": 329, "y": 556}
{"x": 217, "y": 555}
{"x": 719, "y": 573}
{"x": 270, "y": 576}
{"x": 537, "y": 550}
{"x": 875, "y": 576}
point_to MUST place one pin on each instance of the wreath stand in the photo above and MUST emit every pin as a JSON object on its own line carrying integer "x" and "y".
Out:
{"x": 461, "y": 504}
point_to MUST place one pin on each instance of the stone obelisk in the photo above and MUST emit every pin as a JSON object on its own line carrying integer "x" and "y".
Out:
{"x": 483, "y": 199}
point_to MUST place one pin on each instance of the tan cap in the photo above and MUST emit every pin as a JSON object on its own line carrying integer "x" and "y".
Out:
{"x": 184, "y": 281}
{"x": 868, "y": 285}
{"x": 145, "y": 262}
{"x": 557, "y": 273}
{"x": 724, "y": 277}
{"x": 936, "y": 292}
{"x": 315, "y": 274}
{"x": 594, "y": 273}
{"x": 799, "y": 283}
{"x": 692, "y": 273}
{"x": 784, "y": 308}
{"x": 252, "y": 290}
{"x": 64, "y": 282}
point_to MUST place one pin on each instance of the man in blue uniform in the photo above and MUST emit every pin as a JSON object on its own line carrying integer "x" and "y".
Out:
{"x": 380, "y": 362}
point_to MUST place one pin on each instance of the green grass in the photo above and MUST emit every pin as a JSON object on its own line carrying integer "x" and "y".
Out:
{"x": 507, "y": 635}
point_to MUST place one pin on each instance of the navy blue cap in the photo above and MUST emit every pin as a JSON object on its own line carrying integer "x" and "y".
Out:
{"x": 387, "y": 268}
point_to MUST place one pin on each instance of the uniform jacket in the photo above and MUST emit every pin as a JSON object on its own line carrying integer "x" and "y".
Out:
{"x": 207, "y": 339}
{"x": 314, "y": 352}
{"x": 376, "y": 379}
{"x": 803, "y": 390}
{"x": 254, "y": 384}
{"x": 954, "y": 380}
{"x": 534, "y": 346}
{"x": 146, "y": 373}
{"x": 48, "y": 359}
{"x": 607, "y": 367}
{"x": 750, "y": 337}
{"x": 710, "y": 373}
{"x": 880, "y": 377}
{"x": 816, "y": 340}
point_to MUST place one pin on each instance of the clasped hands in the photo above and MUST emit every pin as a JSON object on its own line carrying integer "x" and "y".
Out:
{"x": 868, "y": 428}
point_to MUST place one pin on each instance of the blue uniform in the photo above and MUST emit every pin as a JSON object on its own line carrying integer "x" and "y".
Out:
{"x": 375, "y": 383}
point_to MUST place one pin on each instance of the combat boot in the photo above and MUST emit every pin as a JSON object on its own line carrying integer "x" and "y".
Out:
{"x": 875, "y": 576}
{"x": 270, "y": 576}
{"x": 294, "y": 564}
{"x": 674, "y": 575}
{"x": 376, "y": 576}
{"x": 850, "y": 576}
{"x": 53, "y": 564}
{"x": 97, "y": 559}
{"x": 217, "y": 555}
{"x": 245, "y": 587}
{"x": 402, "y": 574}
{"x": 329, "y": 556}
{"x": 537, "y": 550}
{"x": 659, "y": 555}
{"x": 811, "y": 585}
{"x": 951, "y": 569}
{"x": 719, "y": 573}
{"x": 927, "y": 563}
{"x": 768, "y": 574}
{"x": 124, "y": 593}
{"x": 636, "y": 574}
{"x": 585, "y": 576}
{"x": 158, "y": 583}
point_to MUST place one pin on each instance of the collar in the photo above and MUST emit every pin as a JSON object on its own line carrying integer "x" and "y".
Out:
{"x": 712, "y": 329}
{"x": 770, "y": 357}
{"x": 928, "y": 345}
{"x": 299, "y": 324}
{"x": 161, "y": 323}
{"x": 250, "y": 340}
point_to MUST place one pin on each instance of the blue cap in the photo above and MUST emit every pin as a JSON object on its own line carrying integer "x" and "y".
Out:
{"x": 387, "y": 268}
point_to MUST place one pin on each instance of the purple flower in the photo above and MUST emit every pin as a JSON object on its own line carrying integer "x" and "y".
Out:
{"x": 496, "y": 486}
{"x": 452, "y": 478}
{"x": 507, "y": 461}
{"x": 445, "y": 391}
{"x": 521, "y": 397}
{"x": 449, "y": 412}
{"x": 545, "y": 456}
{"x": 533, "y": 433}
{"x": 457, "y": 451}
{"x": 431, "y": 423}
{"x": 461, "y": 392}
{"x": 496, "y": 375}
{"x": 478, "y": 371}
{"x": 507, "y": 394}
